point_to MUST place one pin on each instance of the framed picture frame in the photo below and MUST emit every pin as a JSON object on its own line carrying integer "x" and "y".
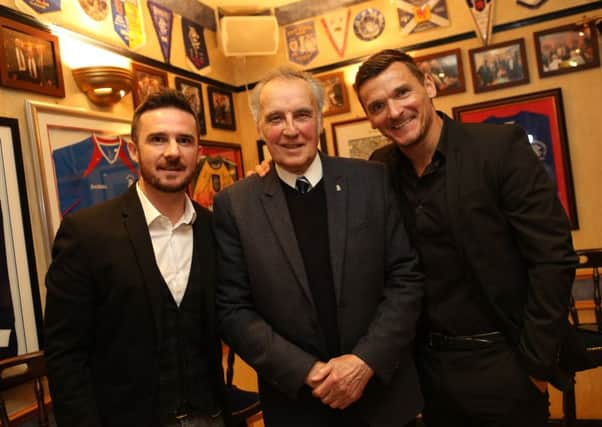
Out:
{"x": 194, "y": 92}
{"x": 30, "y": 59}
{"x": 336, "y": 97}
{"x": 566, "y": 49}
{"x": 446, "y": 70}
{"x": 356, "y": 138}
{"x": 499, "y": 66}
{"x": 221, "y": 108}
{"x": 147, "y": 80}
{"x": 541, "y": 115}
{"x": 71, "y": 148}
{"x": 263, "y": 152}
{"x": 21, "y": 310}
{"x": 221, "y": 165}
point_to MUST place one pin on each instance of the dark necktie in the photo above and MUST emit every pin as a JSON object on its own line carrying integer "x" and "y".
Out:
{"x": 302, "y": 185}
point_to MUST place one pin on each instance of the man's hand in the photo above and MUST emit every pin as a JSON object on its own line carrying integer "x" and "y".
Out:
{"x": 316, "y": 374}
{"x": 541, "y": 385}
{"x": 261, "y": 169}
{"x": 345, "y": 383}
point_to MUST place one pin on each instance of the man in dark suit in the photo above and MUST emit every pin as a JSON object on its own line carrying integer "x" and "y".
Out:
{"x": 130, "y": 304}
{"x": 495, "y": 246}
{"x": 318, "y": 288}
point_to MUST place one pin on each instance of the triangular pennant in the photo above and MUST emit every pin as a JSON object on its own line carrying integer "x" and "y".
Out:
{"x": 482, "y": 11}
{"x": 40, "y": 6}
{"x": 194, "y": 44}
{"x": 336, "y": 25}
{"x": 162, "y": 21}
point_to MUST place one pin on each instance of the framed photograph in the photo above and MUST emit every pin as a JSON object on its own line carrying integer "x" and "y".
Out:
{"x": 221, "y": 108}
{"x": 194, "y": 92}
{"x": 499, "y": 66}
{"x": 30, "y": 59}
{"x": 146, "y": 81}
{"x": 566, "y": 49}
{"x": 356, "y": 138}
{"x": 336, "y": 97}
{"x": 263, "y": 152}
{"x": 446, "y": 70}
{"x": 541, "y": 115}
{"x": 221, "y": 165}
{"x": 80, "y": 159}
{"x": 20, "y": 308}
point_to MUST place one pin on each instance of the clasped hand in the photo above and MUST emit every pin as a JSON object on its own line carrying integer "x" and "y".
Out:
{"x": 339, "y": 382}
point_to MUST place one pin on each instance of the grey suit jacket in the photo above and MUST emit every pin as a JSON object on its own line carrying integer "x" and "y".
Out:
{"x": 265, "y": 307}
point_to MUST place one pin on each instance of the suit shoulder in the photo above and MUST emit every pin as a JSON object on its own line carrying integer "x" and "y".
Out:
{"x": 100, "y": 212}
{"x": 355, "y": 165}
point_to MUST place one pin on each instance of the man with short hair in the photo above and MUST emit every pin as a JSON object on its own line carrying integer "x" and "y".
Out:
{"x": 130, "y": 331}
{"x": 495, "y": 246}
{"x": 318, "y": 288}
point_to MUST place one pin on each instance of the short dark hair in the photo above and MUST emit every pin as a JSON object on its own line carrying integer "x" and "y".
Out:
{"x": 379, "y": 62}
{"x": 164, "y": 98}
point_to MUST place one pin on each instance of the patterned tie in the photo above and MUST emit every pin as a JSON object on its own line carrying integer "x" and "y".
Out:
{"x": 302, "y": 185}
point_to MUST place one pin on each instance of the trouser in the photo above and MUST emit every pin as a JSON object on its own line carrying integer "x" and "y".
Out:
{"x": 483, "y": 386}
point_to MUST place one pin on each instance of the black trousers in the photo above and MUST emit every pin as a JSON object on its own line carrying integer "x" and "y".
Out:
{"x": 484, "y": 387}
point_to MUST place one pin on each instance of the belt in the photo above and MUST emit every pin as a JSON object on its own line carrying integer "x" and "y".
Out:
{"x": 442, "y": 342}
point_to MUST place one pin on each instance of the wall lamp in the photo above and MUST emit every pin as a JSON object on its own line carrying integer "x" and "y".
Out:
{"x": 104, "y": 86}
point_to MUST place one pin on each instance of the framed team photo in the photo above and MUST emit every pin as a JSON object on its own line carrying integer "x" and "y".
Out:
{"x": 147, "y": 80}
{"x": 80, "y": 159}
{"x": 221, "y": 107}
{"x": 499, "y": 66}
{"x": 541, "y": 115}
{"x": 193, "y": 91}
{"x": 446, "y": 70}
{"x": 566, "y": 49}
{"x": 30, "y": 59}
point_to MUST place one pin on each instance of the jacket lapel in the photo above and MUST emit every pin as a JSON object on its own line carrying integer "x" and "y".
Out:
{"x": 453, "y": 171}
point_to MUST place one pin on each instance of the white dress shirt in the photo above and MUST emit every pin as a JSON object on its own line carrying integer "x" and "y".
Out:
{"x": 172, "y": 244}
{"x": 313, "y": 173}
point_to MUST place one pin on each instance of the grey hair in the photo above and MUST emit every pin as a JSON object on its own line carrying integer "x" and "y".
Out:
{"x": 285, "y": 73}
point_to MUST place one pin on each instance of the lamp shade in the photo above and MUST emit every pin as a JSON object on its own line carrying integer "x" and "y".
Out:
{"x": 104, "y": 86}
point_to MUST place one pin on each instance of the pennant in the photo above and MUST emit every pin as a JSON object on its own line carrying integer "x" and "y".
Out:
{"x": 194, "y": 44}
{"x": 42, "y": 6}
{"x": 421, "y": 15}
{"x": 301, "y": 42}
{"x": 482, "y": 11}
{"x": 127, "y": 22}
{"x": 120, "y": 24}
{"x": 162, "y": 22}
{"x": 336, "y": 25}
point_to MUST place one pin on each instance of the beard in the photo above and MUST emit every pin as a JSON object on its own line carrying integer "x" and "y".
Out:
{"x": 170, "y": 186}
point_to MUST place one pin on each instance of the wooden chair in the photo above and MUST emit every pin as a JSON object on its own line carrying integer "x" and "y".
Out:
{"x": 589, "y": 335}
{"x": 243, "y": 404}
{"x": 19, "y": 370}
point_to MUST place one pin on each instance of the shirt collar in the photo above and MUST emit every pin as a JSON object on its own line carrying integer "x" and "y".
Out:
{"x": 313, "y": 173}
{"x": 151, "y": 213}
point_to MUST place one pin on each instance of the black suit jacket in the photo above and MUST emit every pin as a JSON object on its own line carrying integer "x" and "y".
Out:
{"x": 103, "y": 315}
{"x": 265, "y": 305}
{"x": 506, "y": 218}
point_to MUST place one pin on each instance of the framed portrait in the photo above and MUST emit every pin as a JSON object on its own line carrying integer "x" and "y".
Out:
{"x": 220, "y": 166}
{"x": 336, "y": 96}
{"x": 221, "y": 108}
{"x": 541, "y": 115}
{"x": 356, "y": 138}
{"x": 147, "y": 80}
{"x": 20, "y": 308}
{"x": 263, "y": 152}
{"x": 446, "y": 70}
{"x": 30, "y": 59}
{"x": 566, "y": 49}
{"x": 499, "y": 66}
{"x": 80, "y": 159}
{"x": 193, "y": 91}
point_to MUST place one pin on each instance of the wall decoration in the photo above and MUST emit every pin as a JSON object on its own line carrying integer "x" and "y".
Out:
{"x": 146, "y": 81}
{"x": 193, "y": 91}
{"x": 20, "y": 308}
{"x": 220, "y": 166}
{"x": 369, "y": 24}
{"x": 162, "y": 19}
{"x": 531, "y": 4}
{"x": 566, "y": 49}
{"x": 98, "y": 10}
{"x": 421, "y": 15}
{"x": 221, "y": 108}
{"x": 30, "y": 59}
{"x": 541, "y": 115}
{"x": 80, "y": 159}
{"x": 194, "y": 44}
{"x": 44, "y": 6}
{"x": 499, "y": 66}
{"x": 336, "y": 25}
{"x": 301, "y": 42}
{"x": 335, "y": 91}
{"x": 356, "y": 138}
{"x": 127, "y": 21}
{"x": 446, "y": 70}
{"x": 482, "y": 14}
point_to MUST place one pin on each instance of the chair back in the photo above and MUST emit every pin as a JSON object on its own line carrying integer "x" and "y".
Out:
{"x": 590, "y": 259}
